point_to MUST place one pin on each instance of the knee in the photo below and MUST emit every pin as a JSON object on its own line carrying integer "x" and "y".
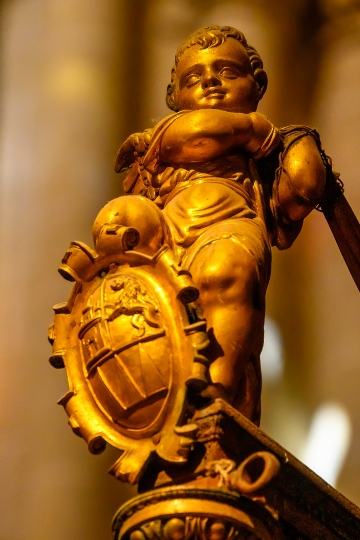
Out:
{"x": 137, "y": 212}
{"x": 226, "y": 272}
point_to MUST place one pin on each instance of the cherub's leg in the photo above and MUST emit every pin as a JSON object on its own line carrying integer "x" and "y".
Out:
{"x": 232, "y": 299}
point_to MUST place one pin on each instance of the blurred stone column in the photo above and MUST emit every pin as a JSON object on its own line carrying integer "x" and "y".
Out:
{"x": 61, "y": 124}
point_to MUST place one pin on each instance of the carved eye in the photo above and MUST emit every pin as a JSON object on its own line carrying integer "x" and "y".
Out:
{"x": 191, "y": 79}
{"x": 229, "y": 72}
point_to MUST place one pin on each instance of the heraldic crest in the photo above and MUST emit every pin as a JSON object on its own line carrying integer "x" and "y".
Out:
{"x": 131, "y": 339}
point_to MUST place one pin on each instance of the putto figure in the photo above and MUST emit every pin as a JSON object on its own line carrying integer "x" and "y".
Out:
{"x": 229, "y": 186}
{"x": 167, "y": 312}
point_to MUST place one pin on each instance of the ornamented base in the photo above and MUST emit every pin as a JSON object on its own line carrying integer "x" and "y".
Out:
{"x": 190, "y": 513}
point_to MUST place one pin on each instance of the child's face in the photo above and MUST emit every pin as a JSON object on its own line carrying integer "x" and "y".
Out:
{"x": 217, "y": 78}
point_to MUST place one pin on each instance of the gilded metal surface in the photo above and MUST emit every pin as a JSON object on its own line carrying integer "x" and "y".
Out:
{"x": 189, "y": 513}
{"x": 167, "y": 312}
{"x": 162, "y": 333}
{"x": 230, "y": 186}
{"x": 129, "y": 347}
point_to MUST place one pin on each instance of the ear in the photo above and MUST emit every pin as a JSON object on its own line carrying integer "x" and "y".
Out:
{"x": 171, "y": 92}
{"x": 261, "y": 82}
{"x": 171, "y": 97}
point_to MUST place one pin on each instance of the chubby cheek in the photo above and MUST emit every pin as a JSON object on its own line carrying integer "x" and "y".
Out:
{"x": 246, "y": 97}
{"x": 186, "y": 101}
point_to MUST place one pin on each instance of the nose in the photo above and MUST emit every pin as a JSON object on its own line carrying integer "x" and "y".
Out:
{"x": 210, "y": 78}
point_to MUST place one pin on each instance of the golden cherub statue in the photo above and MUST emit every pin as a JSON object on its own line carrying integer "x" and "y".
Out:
{"x": 220, "y": 216}
{"x": 162, "y": 333}
{"x": 167, "y": 313}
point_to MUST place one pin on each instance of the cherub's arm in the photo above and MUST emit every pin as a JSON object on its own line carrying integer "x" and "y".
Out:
{"x": 131, "y": 157}
{"x": 206, "y": 134}
{"x": 302, "y": 179}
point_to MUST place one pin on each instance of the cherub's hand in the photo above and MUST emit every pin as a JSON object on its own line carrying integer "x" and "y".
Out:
{"x": 134, "y": 146}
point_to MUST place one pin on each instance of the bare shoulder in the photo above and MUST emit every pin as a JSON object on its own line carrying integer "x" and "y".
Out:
{"x": 305, "y": 167}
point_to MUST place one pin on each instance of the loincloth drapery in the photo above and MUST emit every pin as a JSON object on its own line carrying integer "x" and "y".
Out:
{"x": 212, "y": 209}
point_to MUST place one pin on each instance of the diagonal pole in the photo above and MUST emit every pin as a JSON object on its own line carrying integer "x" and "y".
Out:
{"x": 346, "y": 230}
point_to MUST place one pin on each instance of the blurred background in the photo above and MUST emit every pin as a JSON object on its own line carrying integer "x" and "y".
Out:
{"x": 78, "y": 76}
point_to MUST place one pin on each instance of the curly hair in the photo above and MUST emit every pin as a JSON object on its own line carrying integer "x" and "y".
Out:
{"x": 207, "y": 37}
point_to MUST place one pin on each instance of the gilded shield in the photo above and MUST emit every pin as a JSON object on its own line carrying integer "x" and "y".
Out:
{"x": 130, "y": 340}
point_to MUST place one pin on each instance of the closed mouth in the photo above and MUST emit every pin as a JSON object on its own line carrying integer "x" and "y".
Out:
{"x": 214, "y": 92}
